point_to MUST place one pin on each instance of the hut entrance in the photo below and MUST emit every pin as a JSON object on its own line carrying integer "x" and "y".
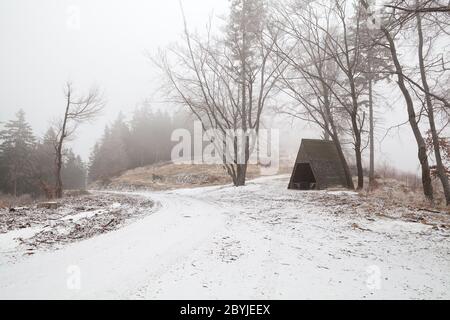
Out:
{"x": 317, "y": 166}
{"x": 303, "y": 177}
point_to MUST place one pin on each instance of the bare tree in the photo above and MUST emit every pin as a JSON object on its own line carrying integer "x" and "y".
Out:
{"x": 428, "y": 6}
{"x": 430, "y": 108}
{"x": 432, "y": 67}
{"x": 375, "y": 66}
{"x": 343, "y": 46}
{"x": 388, "y": 29}
{"x": 346, "y": 50}
{"x": 226, "y": 81}
{"x": 78, "y": 110}
{"x": 311, "y": 76}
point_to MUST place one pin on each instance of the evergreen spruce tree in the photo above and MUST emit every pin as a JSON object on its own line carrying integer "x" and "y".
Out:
{"x": 44, "y": 163}
{"x": 373, "y": 67}
{"x": 74, "y": 172}
{"x": 16, "y": 150}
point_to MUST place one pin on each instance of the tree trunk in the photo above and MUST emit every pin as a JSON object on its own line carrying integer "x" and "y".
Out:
{"x": 58, "y": 185}
{"x": 337, "y": 143}
{"x": 241, "y": 169}
{"x": 355, "y": 128}
{"x": 435, "y": 137}
{"x": 422, "y": 150}
{"x": 241, "y": 172}
{"x": 326, "y": 134}
{"x": 330, "y": 128}
{"x": 15, "y": 182}
{"x": 371, "y": 138}
{"x": 348, "y": 174}
{"x": 358, "y": 154}
{"x": 59, "y": 149}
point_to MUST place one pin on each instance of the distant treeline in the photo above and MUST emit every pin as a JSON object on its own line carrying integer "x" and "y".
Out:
{"x": 127, "y": 144}
{"x": 27, "y": 163}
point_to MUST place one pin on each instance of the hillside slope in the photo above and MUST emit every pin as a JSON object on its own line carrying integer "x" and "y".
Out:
{"x": 165, "y": 176}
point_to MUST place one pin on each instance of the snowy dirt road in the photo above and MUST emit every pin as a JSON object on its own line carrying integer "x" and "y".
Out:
{"x": 257, "y": 242}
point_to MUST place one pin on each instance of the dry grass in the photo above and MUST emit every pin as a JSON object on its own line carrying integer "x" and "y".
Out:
{"x": 9, "y": 201}
{"x": 401, "y": 193}
{"x": 25, "y": 200}
{"x": 75, "y": 193}
{"x": 166, "y": 176}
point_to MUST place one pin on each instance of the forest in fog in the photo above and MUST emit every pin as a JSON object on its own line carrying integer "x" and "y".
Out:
{"x": 28, "y": 162}
{"x": 328, "y": 59}
{"x": 332, "y": 64}
{"x": 227, "y": 149}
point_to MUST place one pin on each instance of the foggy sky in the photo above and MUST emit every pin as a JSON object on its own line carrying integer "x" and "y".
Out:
{"x": 44, "y": 44}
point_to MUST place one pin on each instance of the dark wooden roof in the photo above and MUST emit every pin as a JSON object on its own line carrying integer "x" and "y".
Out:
{"x": 324, "y": 160}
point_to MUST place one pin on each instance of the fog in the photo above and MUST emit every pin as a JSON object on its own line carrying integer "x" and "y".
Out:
{"x": 102, "y": 42}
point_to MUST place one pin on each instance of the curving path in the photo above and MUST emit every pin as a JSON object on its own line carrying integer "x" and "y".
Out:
{"x": 113, "y": 265}
{"x": 255, "y": 242}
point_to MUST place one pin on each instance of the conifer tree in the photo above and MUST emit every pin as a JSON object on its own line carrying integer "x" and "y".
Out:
{"x": 16, "y": 149}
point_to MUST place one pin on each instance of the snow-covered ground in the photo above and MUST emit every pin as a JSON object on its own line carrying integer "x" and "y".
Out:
{"x": 261, "y": 241}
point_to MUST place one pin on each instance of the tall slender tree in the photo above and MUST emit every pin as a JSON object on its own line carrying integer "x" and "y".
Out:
{"x": 375, "y": 66}
{"x": 16, "y": 149}
{"x": 77, "y": 110}
{"x": 74, "y": 172}
{"x": 43, "y": 163}
{"x": 311, "y": 77}
{"x": 430, "y": 105}
{"x": 226, "y": 80}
